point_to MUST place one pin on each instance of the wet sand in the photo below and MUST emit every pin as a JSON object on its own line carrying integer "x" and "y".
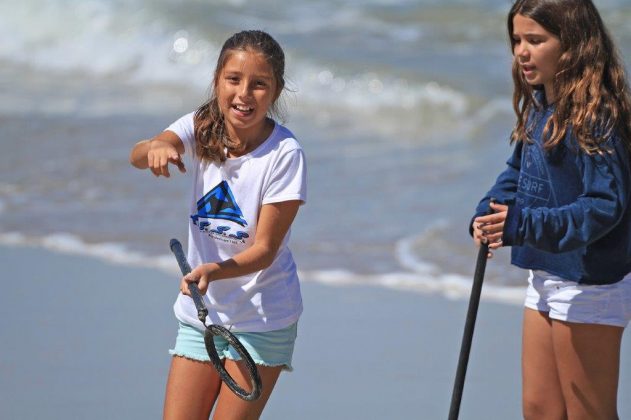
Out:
{"x": 87, "y": 339}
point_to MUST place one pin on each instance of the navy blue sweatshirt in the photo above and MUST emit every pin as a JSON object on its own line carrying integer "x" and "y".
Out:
{"x": 568, "y": 211}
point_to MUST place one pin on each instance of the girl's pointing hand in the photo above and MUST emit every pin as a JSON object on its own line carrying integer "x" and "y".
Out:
{"x": 160, "y": 154}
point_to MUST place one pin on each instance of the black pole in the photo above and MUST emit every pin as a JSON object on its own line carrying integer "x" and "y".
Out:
{"x": 467, "y": 336}
{"x": 176, "y": 248}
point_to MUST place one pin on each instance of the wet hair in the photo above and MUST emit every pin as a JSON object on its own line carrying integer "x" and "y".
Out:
{"x": 211, "y": 136}
{"x": 591, "y": 90}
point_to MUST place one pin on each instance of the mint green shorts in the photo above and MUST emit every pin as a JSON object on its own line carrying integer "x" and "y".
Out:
{"x": 271, "y": 348}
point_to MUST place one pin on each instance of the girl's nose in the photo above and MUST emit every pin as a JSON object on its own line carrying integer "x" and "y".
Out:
{"x": 244, "y": 90}
{"x": 521, "y": 51}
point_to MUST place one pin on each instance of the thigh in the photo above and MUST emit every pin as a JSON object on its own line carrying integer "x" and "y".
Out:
{"x": 541, "y": 390}
{"x": 192, "y": 388}
{"x": 588, "y": 361}
{"x": 231, "y": 407}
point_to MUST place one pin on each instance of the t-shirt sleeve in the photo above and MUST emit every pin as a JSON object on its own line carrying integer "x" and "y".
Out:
{"x": 288, "y": 180}
{"x": 184, "y": 128}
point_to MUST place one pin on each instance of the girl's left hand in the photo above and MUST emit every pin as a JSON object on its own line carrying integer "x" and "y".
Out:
{"x": 492, "y": 225}
{"x": 200, "y": 275}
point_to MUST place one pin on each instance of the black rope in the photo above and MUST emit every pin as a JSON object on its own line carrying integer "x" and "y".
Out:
{"x": 213, "y": 330}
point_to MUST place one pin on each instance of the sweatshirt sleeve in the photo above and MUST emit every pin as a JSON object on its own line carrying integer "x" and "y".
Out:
{"x": 505, "y": 187}
{"x": 597, "y": 210}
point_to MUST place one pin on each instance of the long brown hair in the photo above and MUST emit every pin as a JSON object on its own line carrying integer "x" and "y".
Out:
{"x": 211, "y": 136}
{"x": 592, "y": 93}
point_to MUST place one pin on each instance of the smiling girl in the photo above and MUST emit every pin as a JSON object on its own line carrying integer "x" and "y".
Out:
{"x": 562, "y": 204}
{"x": 249, "y": 179}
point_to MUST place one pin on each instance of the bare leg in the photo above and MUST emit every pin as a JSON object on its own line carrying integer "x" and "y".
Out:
{"x": 231, "y": 407}
{"x": 588, "y": 361}
{"x": 192, "y": 388}
{"x": 542, "y": 397}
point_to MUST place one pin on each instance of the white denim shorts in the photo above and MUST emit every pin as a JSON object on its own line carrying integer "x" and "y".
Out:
{"x": 569, "y": 301}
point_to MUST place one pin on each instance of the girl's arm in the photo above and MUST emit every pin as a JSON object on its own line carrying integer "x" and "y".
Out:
{"x": 596, "y": 212}
{"x": 488, "y": 228}
{"x": 274, "y": 222}
{"x": 505, "y": 187}
{"x": 157, "y": 153}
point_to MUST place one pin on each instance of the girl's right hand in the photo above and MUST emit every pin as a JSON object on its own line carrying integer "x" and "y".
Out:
{"x": 478, "y": 236}
{"x": 202, "y": 275}
{"x": 160, "y": 154}
{"x": 489, "y": 228}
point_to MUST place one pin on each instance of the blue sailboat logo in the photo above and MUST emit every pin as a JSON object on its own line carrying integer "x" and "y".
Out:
{"x": 219, "y": 203}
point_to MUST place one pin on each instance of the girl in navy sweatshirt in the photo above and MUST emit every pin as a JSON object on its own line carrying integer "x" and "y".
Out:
{"x": 562, "y": 204}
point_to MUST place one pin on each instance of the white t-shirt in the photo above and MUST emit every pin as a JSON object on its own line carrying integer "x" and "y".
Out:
{"x": 224, "y": 209}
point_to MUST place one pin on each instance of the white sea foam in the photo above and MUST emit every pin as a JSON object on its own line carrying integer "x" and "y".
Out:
{"x": 128, "y": 44}
{"x": 430, "y": 277}
{"x": 98, "y": 38}
{"x": 451, "y": 286}
{"x": 408, "y": 259}
{"x": 425, "y": 280}
{"x": 493, "y": 108}
{"x": 72, "y": 244}
{"x": 372, "y": 91}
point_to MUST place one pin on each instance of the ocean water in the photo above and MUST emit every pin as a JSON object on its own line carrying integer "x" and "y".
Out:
{"x": 402, "y": 106}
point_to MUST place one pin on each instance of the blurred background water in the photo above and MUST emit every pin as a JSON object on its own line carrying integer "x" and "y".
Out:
{"x": 402, "y": 106}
